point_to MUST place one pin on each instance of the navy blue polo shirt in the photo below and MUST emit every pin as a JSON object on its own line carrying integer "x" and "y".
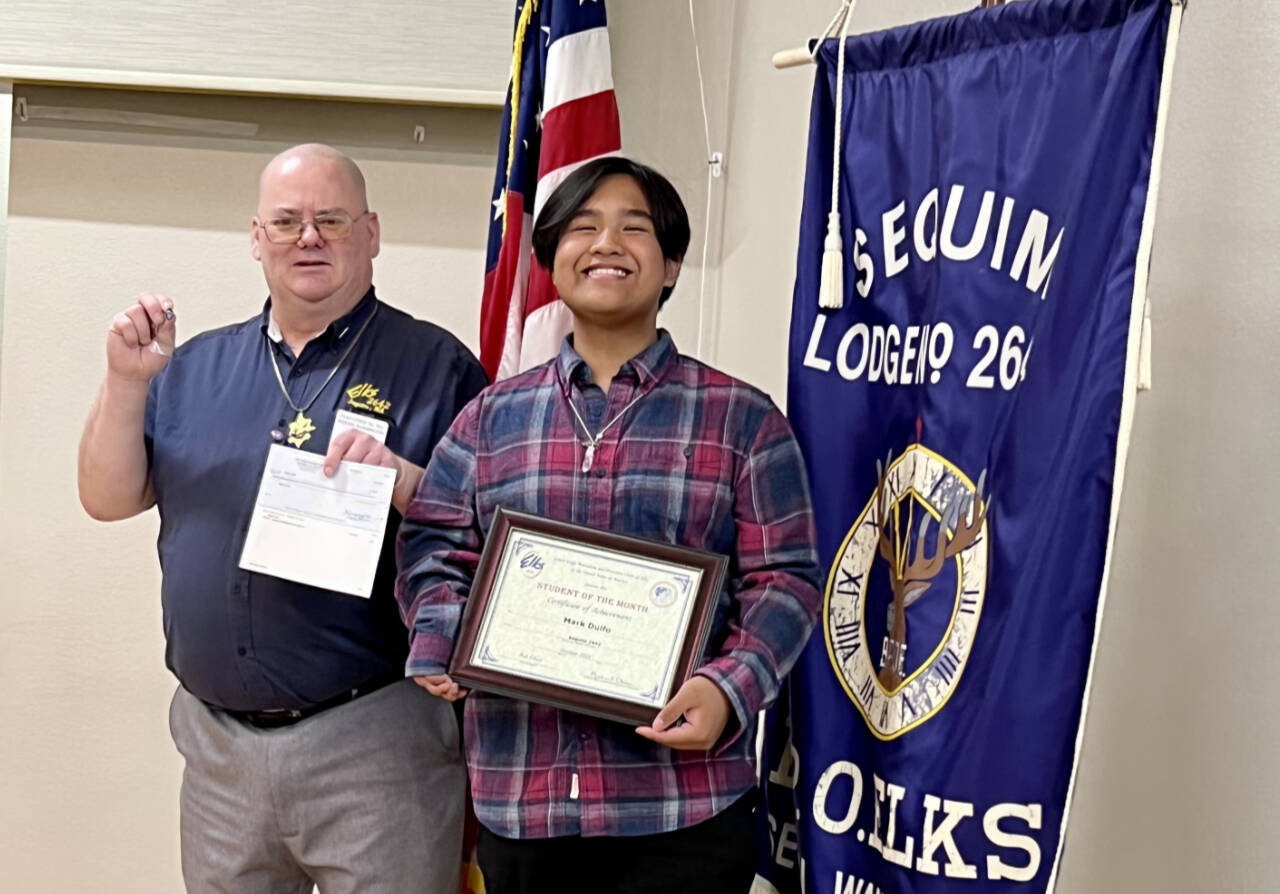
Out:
{"x": 247, "y": 641}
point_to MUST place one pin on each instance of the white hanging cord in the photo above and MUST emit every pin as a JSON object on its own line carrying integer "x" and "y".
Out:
{"x": 702, "y": 92}
{"x": 831, "y": 289}
{"x": 836, "y": 21}
{"x": 808, "y": 55}
{"x": 713, "y": 166}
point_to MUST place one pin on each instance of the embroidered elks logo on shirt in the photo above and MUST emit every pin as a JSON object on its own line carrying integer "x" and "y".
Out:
{"x": 365, "y": 397}
{"x": 911, "y": 576}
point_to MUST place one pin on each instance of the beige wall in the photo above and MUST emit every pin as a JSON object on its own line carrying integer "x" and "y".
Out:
{"x": 657, "y": 83}
{"x": 1177, "y": 780}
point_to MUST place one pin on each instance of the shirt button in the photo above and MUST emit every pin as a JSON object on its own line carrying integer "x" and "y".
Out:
{"x": 242, "y": 651}
{"x": 599, "y": 473}
{"x": 688, "y": 452}
{"x": 585, "y": 737}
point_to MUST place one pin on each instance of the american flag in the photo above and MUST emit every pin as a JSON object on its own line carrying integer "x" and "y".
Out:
{"x": 560, "y": 112}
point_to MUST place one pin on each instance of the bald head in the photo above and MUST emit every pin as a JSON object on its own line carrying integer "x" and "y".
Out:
{"x": 292, "y": 159}
{"x": 313, "y": 188}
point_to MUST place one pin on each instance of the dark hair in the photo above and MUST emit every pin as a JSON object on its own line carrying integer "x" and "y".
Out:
{"x": 670, "y": 220}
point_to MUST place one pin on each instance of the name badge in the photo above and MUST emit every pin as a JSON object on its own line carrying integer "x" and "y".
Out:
{"x": 345, "y": 420}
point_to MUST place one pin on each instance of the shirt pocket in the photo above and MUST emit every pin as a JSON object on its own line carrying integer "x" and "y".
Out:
{"x": 677, "y": 491}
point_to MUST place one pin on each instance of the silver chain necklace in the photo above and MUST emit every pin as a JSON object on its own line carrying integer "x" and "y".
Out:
{"x": 301, "y": 427}
{"x": 593, "y": 441}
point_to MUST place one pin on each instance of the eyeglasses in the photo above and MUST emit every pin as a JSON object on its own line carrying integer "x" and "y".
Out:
{"x": 332, "y": 226}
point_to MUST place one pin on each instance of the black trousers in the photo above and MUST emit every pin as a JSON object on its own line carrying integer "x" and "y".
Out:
{"x": 714, "y": 857}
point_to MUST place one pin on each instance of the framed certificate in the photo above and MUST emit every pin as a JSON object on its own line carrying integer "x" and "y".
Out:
{"x": 586, "y": 620}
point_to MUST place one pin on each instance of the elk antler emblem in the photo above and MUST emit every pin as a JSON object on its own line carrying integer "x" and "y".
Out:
{"x": 912, "y": 574}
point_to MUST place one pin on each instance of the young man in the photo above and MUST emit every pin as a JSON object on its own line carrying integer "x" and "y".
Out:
{"x": 619, "y": 432}
{"x": 309, "y": 759}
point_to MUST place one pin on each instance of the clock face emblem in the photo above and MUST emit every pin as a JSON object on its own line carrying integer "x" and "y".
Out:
{"x": 905, "y": 593}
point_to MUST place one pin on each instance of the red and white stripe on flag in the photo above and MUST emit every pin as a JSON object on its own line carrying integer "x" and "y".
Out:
{"x": 561, "y": 112}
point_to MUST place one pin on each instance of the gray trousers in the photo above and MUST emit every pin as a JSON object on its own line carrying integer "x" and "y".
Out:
{"x": 365, "y": 797}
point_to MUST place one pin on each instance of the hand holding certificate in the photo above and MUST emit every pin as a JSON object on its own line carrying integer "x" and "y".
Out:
{"x": 705, "y": 709}
{"x": 584, "y": 619}
{"x": 316, "y": 530}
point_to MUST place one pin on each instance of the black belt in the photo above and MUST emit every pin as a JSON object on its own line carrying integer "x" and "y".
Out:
{"x": 274, "y": 718}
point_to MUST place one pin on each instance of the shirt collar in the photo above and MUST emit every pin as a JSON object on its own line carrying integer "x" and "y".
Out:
{"x": 648, "y": 366}
{"x": 337, "y": 332}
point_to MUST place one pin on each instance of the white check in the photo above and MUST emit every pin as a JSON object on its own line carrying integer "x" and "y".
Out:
{"x": 315, "y": 530}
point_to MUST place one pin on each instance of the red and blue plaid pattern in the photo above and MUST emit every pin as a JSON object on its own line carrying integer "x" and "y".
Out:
{"x": 701, "y": 460}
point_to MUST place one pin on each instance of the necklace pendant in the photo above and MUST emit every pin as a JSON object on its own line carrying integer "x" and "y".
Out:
{"x": 589, "y": 457}
{"x": 300, "y": 430}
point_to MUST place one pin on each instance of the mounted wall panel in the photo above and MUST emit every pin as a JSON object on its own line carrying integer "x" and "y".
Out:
{"x": 428, "y": 51}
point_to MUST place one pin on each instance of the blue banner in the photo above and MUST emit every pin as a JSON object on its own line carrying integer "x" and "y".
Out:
{"x": 961, "y": 418}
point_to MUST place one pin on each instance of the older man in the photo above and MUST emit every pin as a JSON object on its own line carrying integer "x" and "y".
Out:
{"x": 309, "y": 758}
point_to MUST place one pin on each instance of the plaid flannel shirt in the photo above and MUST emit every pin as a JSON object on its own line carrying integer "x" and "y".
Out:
{"x": 700, "y": 460}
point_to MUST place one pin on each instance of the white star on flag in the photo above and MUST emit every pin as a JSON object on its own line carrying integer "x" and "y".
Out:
{"x": 500, "y": 205}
